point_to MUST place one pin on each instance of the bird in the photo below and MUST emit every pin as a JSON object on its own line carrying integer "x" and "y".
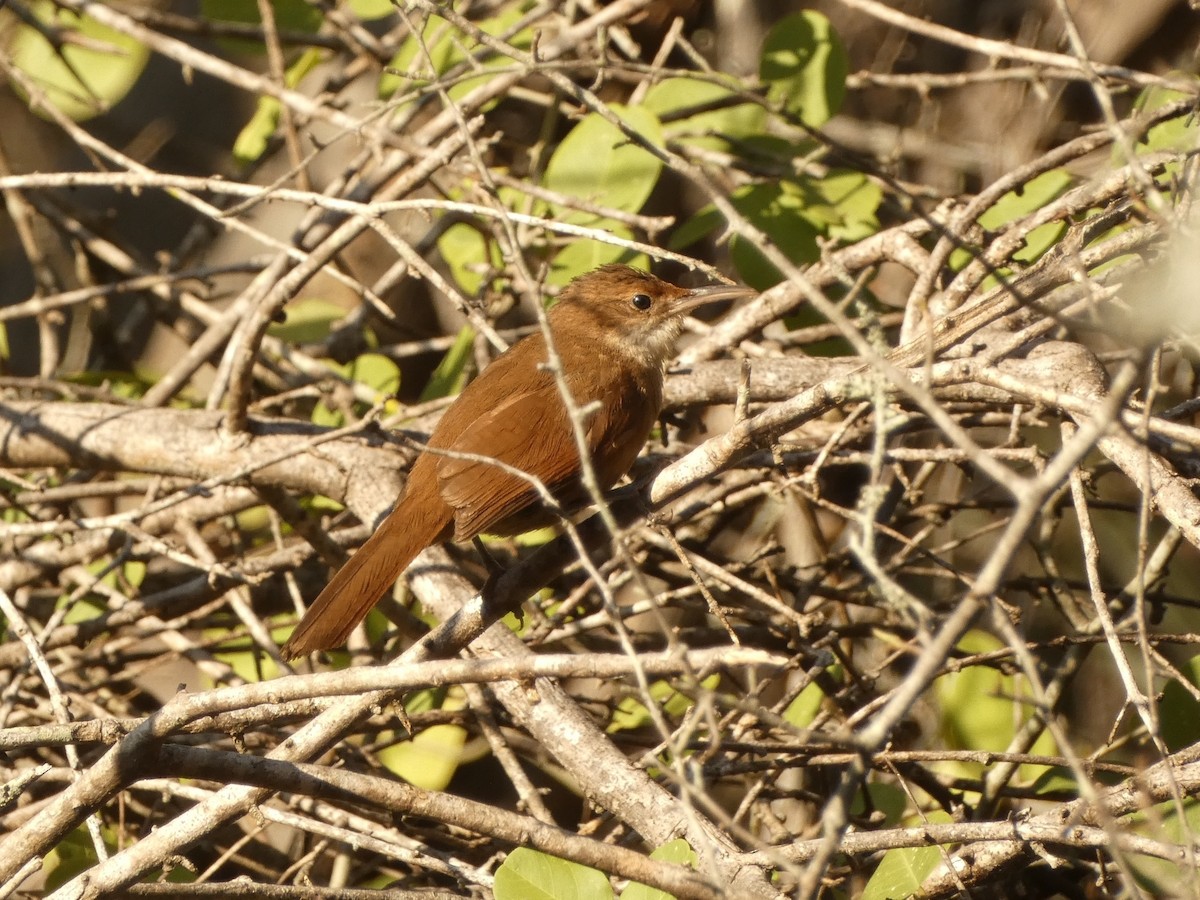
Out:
{"x": 613, "y": 330}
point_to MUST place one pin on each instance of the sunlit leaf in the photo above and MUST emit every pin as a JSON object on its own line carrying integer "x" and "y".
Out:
{"x": 901, "y": 872}
{"x": 450, "y": 377}
{"x": 290, "y": 15}
{"x": 308, "y": 320}
{"x": 684, "y": 106}
{"x": 529, "y": 875}
{"x": 677, "y": 851}
{"x": 252, "y": 141}
{"x": 804, "y": 66}
{"x": 81, "y": 79}
{"x": 598, "y": 163}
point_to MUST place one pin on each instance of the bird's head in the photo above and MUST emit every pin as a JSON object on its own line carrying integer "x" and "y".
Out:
{"x": 631, "y": 311}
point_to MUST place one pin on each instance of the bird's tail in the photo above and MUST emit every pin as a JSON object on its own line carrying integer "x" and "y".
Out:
{"x": 358, "y": 585}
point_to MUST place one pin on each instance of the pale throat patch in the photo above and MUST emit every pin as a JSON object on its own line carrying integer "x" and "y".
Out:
{"x": 651, "y": 345}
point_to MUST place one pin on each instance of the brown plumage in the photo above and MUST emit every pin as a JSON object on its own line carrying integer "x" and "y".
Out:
{"x": 614, "y": 330}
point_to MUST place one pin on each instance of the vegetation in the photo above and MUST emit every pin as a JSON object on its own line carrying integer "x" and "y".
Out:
{"x": 902, "y": 600}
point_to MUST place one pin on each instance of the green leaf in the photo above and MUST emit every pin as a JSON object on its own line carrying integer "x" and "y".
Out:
{"x": 290, "y": 15}
{"x": 598, "y": 163}
{"x": 805, "y": 65}
{"x": 529, "y": 875}
{"x": 852, "y": 200}
{"x": 373, "y": 370}
{"x": 252, "y": 141}
{"x": 1033, "y": 196}
{"x": 1161, "y": 877}
{"x": 982, "y": 707}
{"x": 245, "y": 657}
{"x": 429, "y": 759}
{"x": 901, "y": 872}
{"x": 466, "y": 252}
{"x": 73, "y": 855}
{"x": 632, "y": 713}
{"x": 1016, "y": 205}
{"x": 683, "y": 105}
{"x": 884, "y": 797}
{"x": 81, "y": 81}
{"x": 372, "y": 9}
{"x": 308, "y": 320}
{"x": 410, "y": 62}
{"x": 804, "y": 707}
{"x": 447, "y": 47}
{"x": 1176, "y": 134}
{"x": 376, "y": 371}
{"x": 1179, "y": 711}
{"x": 584, "y": 254}
{"x": 778, "y": 209}
{"x": 450, "y": 377}
{"x": 677, "y": 851}
{"x": 977, "y": 712}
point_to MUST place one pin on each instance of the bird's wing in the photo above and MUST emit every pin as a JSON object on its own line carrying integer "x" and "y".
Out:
{"x": 529, "y": 431}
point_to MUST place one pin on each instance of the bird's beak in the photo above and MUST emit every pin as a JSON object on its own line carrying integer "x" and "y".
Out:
{"x": 700, "y": 296}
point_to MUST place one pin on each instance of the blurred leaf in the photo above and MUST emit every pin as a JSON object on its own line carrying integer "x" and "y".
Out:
{"x": 109, "y": 66}
{"x": 982, "y": 707}
{"x": 632, "y": 713}
{"x": 450, "y": 377}
{"x": 885, "y": 797}
{"x": 854, "y": 200}
{"x": 702, "y": 223}
{"x": 1056, "y": 780}
{"x": 374, "y": 370}
{"x": 83, "y": 609}
{"x": 1033, "y": 196}
{"x": 410, "y": 62}
{"x": 250, "y": 665}
{"x": 367, "y": 10}
{"x": 429, "y": 759}
{"x": 466, "y": 251}
{"x": 805, "y": 65}
{"x": 529, "y": 875}
{"x": 1179, "y": 133}
{"x": 598, "y": 163}
{"x": 447, "y": 47}
{"x": 901, "y": 872}
{"x": 977, "y": 709}
{"x": 677, "y": 851}
{"x": 584, "y": 254}
{"x": 1015, "y": 205}
{"x": 803, "y": 709}
{"x": 677, "y": 102}
{"x": 308, "y": 321}
{"x": 72, "y": 856}
{"x": 252, "y": 141}
{"x": 1161, "y": 877}
{"x": 94, "y": 604}
{"x": 1179, "y": 711}
{"x": 126, "y": 385}
{"x": 777, "y": 209}
{"x": 290, "y": 15}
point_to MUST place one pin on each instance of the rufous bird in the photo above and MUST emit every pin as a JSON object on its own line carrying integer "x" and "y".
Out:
{"x": 614, "y": 331}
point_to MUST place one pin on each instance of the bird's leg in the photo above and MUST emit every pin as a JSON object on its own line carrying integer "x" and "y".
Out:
{"x": 494, "y": 569}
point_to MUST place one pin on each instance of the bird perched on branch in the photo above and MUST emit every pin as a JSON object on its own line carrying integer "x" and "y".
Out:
{"x": 613, "y": 331}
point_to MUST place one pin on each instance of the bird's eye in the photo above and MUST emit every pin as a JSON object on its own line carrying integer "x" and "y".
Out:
{"x": 641, "y": 301}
